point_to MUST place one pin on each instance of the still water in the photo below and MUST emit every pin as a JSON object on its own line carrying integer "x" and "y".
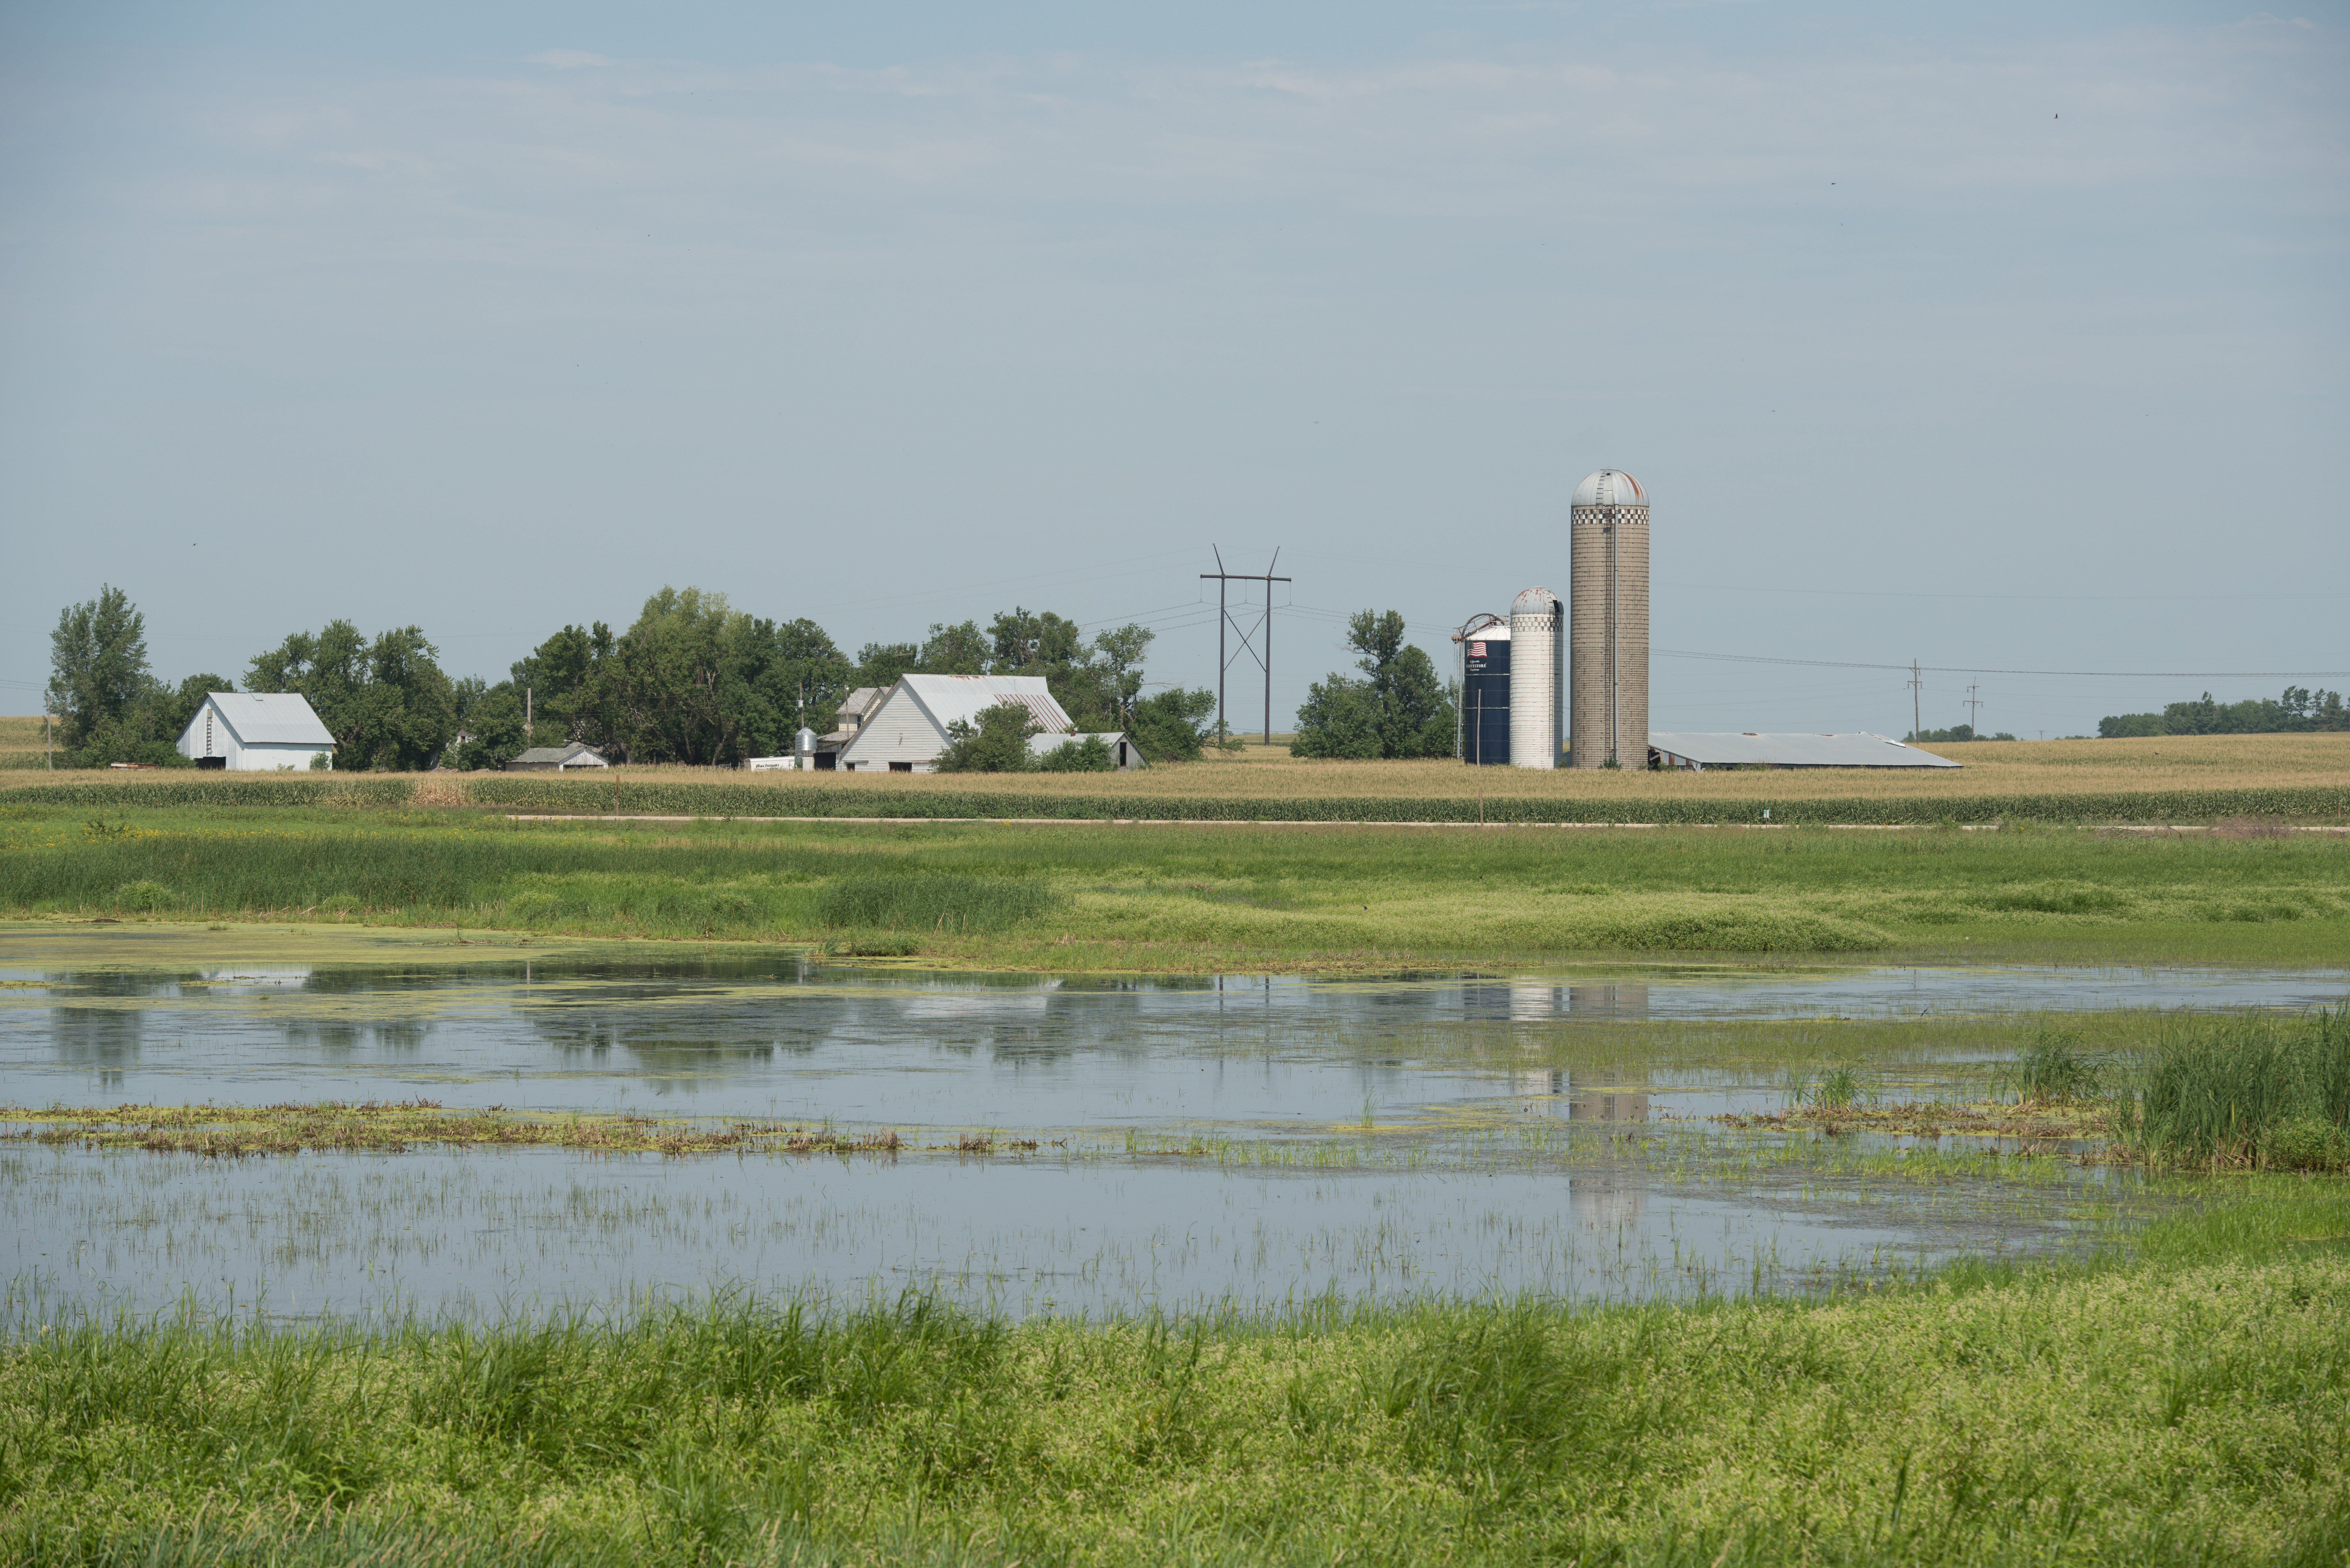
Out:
{"x": 1240, "y": 1140}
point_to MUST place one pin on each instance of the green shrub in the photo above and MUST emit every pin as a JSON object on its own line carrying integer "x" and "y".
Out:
{"x": 998, "y": 743}
{"x": 1090, "y": 755}
{"x": 142, "y": 895}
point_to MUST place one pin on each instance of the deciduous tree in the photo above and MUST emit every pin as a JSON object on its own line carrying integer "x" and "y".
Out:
{"x": 1398, "y": 707}
{"x": 386, "y": 702}
{"x": 98, "y": 668}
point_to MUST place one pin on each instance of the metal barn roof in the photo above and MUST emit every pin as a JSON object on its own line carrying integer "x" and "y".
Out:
{"x": 270, "y": 718}
{"x": 862, "y": 700}
{"x": 1856, "y": 751}
{"x": 578, "y": 753}
{"x": 946, "y": 697}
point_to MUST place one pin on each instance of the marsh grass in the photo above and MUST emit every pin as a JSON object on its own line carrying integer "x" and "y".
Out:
{"x": 1203, "y": 898}
{"x": 235, "y": 1132}
{"x": 2052, "y": 1069}
{"x": 2180, "y": 1408}
{"x": 1823, "y": 1089}
{"x": 2240, "y": 1093}
{"x": 939, "y": 901}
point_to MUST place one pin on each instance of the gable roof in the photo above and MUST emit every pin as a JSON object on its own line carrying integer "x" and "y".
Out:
{"x": 557, "y": 756}
{"x": 947, "y": 697}
{"x": 1857, "y": 751}
{"x": 267, "y": 718}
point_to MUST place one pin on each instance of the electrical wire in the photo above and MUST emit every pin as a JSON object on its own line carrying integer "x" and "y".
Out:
{"x": 1977, "y": 669}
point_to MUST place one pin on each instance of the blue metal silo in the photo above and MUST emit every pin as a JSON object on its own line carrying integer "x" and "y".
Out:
{"x": 1484, "y": 690}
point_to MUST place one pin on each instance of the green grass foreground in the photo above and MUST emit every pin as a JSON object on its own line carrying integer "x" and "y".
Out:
{"x": 2191, "y": 1404}
{"x": 1195, "y": 899}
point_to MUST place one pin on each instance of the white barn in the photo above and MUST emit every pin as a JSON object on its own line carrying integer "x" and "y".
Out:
{"x": 256, "y": 733}
{"x": 906, "y": 730}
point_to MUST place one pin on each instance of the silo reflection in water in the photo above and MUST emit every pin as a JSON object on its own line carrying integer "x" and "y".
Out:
{"x": 1589, "y": 1096}
{"x": 1598, "y": 1003}
{"x": 1532, "y": 1003}
{"x": 1599, "y": 1201}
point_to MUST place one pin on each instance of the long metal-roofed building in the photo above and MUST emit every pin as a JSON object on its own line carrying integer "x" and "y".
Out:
{"x": 1698, "y": 752}
{"x": 1608, "y": 639}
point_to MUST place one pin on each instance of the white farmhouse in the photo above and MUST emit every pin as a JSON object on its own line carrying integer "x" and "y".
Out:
{"x": 256, "y": 733}
{"x": 905, "y": 731}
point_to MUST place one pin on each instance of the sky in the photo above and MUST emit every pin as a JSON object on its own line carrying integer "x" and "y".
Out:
{"x": 2002, "y": 337}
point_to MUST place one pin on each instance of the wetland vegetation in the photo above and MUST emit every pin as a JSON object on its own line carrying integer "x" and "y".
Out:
{"x": 2075, "y": 1287}
{"x": 1173, "y": 898}
{"x": 2183, "y": 1405}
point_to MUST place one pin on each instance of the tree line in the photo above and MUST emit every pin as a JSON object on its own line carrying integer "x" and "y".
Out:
{"x": 1955, "y": 733}
{"x": 692, "y": 680}
{"x": 2299, "y": 710}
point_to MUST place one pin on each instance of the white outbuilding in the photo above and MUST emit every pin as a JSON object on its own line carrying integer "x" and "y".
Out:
{"x": 905, "y": 731}
{"x": 256, "y": 733}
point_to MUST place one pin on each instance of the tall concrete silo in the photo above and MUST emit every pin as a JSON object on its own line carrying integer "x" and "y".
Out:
{"x": 1537, "y": 663}
{"x": 1608, "y": 634}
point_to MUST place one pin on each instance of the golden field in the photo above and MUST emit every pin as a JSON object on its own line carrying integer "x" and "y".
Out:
{"x": 1989, "y": 768}
{"x": 20, "y": 743}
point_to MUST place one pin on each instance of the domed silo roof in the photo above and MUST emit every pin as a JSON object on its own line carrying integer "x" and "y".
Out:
{"x": 1533, "y": 601}
{"x": 1610, "y": 487}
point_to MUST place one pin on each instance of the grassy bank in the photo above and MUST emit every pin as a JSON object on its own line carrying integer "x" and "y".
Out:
{"x": 1198, "y": 898}
{"x": 2185, "y": 1407}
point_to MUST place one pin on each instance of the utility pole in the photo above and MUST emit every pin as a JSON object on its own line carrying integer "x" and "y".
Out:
{"x": 1916, "y": 724}
{"x": 1261, "y": 651}
{"x": 528, "y": 692}
{"x": 1974, "y": 710}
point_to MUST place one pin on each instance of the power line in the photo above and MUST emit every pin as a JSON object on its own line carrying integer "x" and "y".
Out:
{"x": 1262, "y": 653}
{"x": 2056, "y": 598}
{"x": 1977, "y": 669}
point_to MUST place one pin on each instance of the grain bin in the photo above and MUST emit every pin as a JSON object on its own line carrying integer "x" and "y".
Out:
{"x": 1608, "y": 636}
{"x": 1485, "y": 712}
{"x": 1537, "y": 655}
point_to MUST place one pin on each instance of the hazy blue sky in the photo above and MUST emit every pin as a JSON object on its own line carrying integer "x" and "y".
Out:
{"x": 2007, "y": 336}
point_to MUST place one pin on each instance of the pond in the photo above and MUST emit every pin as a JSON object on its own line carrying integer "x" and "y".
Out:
{"x": 1244, "y": 1141}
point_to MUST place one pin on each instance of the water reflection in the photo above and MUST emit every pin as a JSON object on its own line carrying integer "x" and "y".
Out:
{"x": 734, "y": 1028}
{"x": 1616, "y": 1097}
{"x": 1541, "y": 1001}
{"x": 1607, "y": 1201}
{"x": 103, "y": 1041}
{"x": 1376, "y": 1154}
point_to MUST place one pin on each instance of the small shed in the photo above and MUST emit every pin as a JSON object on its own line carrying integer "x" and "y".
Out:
{"x": 256, "y": 733}
{"x": 1751, "y": 750}
{"x": 558, "y": 759}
